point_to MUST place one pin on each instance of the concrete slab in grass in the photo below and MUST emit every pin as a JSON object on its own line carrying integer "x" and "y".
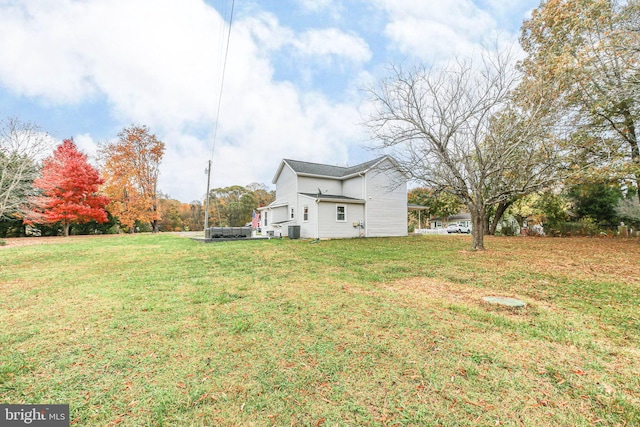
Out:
{"x": 507, "y": 302}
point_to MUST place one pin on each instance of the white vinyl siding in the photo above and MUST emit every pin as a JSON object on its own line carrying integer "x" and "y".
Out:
{"x": 328, "y": 227}
{"x": 353, "y": 187}
{"x": 311, "y": 185}
{"x": 279, "y": 217}
{"x": 287, "y": 186}
{"x": 308, "y": 227}
{"x": 279, "y": 214}
{"x": 386, "y": 204}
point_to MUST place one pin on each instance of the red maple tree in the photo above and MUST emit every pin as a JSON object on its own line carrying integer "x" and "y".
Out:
{"x": 69, "y": 190}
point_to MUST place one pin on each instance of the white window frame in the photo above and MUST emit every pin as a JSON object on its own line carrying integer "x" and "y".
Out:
{"x": 293, "y": 213}
{"x": 344, "y": 213}
{"x": 305, "y": 213}
{"x": 265, "y": 219}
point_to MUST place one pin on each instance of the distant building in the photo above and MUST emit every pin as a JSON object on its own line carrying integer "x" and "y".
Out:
{"x": 462, "y": 218}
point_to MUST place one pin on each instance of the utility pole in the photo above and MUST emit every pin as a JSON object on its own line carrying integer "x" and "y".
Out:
{"x": 206, "y": 210}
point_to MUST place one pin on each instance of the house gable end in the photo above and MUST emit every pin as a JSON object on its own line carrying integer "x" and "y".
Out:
{"x": 283, "y": 163}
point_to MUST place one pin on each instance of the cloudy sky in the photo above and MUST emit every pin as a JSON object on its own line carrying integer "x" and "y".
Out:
{"x": 292, "y": 83}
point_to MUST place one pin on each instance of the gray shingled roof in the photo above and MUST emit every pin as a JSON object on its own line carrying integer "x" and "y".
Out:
{"x": 317, "y": 169}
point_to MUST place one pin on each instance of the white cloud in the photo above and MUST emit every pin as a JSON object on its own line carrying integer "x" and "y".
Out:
{"x": 334, "y": 8}
{"x": 438, "y": 30}
{"x": 159, "y": 63}
{"x": 138, "y": 54}
{"x": 316, "y": 5}
{"x": 328, "y": 44}
{"x": 264, "y": 121}
{"x": 267, "y": 31}
{"x": 87, "y": 145}
{"x": 332, "y": 42}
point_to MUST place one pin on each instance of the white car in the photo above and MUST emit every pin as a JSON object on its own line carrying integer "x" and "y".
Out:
{"x": 457, "y": 228}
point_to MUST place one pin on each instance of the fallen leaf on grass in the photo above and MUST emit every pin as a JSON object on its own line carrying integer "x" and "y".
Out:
{"x": 114, "y": 422}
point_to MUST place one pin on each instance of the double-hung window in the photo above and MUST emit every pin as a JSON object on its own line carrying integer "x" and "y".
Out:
{"x": 341, "y": 213}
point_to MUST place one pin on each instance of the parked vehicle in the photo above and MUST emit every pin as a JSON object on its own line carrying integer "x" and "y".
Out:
{"x": 457, "y": 228}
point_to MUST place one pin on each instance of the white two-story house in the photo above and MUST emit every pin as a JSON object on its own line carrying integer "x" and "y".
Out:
{"x": 366, "y": 200}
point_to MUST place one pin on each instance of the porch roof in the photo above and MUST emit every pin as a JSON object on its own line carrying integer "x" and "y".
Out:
{"x": 333, "y": 198}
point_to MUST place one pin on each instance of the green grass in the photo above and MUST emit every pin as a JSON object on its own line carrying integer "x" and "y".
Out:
{"x": 160, "y": 330}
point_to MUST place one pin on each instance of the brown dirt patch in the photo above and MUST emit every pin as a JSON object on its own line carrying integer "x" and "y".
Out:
{"x": 584, "y": 258}
{"x": 437, "y": 289}
{"x": 453, "y": 293}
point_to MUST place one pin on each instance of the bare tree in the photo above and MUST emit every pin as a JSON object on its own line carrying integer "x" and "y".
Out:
{"x": 22, "y": 146}
{"x": 457, "y": 129}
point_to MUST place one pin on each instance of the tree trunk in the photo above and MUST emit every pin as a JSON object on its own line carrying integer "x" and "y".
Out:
{"x": 154, "y": 223}
{"x": 66, "y": 227}
{"x": 632, "y": 138}
{"x": 635, "y": 158}
{"x": 478, "y": 218}
{"x": 500, "y": 210}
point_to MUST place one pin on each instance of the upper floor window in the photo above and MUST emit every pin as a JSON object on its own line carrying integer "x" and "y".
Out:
{"x": 341, "y": 213}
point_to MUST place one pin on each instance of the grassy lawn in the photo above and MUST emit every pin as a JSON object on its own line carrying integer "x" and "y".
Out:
{"x": 161, "y": 330}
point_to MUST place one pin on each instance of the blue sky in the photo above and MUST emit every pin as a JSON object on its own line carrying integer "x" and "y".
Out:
{"x": 292, "y": 89}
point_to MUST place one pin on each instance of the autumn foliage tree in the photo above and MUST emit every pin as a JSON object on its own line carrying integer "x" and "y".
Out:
{"x": 68, "y": 188}
{"x": 232, "y": 206}
{"x": 438, "y": 204}
{"x": 586, "y": 55}
{"x": 178, "y": 216}
{"x": 131, "y": 166}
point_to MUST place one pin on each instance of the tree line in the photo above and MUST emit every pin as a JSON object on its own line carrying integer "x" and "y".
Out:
{"x": 552, "y": 135}
{"x": 60, "y": 192}
{"x": 554, "y": 132}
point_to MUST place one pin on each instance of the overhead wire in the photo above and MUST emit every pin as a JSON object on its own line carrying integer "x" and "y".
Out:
{"x": 215, "y": 129}
{"x": 224, "y": 68}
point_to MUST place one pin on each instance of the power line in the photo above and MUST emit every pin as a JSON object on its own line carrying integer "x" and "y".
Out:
{"x": 215, "y": 129}
{"x": 224, "y": 68}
